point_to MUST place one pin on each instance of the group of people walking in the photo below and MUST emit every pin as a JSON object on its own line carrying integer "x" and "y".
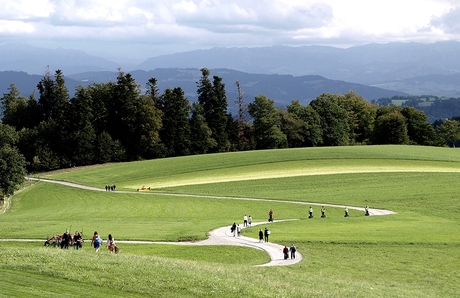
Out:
{"x": 110, "y": 187}
{"x": 76, "y": 240}
{"x": 67, "y": 240}
{"x": 263, "y": 235}
{"x": 96, "y": 242}
{"x": 291, "y": 249}
{"x": 323, "y": 212}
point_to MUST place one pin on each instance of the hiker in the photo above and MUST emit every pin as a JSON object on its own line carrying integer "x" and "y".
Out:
{"x": 96, "y": 241}
{"x": 261, "y": 235}
{"x": 311, "y": 212}
{"x": 233, "y": 229}
{"x": 266, "y": 233}
{"x": 270, "y": 216}
{"x": 110, "y": 243}
{"x": 245, "y": 221}
{"x": 323, "y": 212}
{"x": 66, "y": 239}
{"x": 346, "y": 212}
{"x": 250, "y": 220}
{"x": 77, "y": 240}
{"x": 292, "y": 249}
{"x": 367, "y": 211}
{"x": 286, "y": 252}
{"x": 238, "y": 230}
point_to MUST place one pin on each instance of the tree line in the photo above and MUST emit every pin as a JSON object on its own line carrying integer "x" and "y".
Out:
{"x": 121, "y": 121}
{"x": 434, "y": 107}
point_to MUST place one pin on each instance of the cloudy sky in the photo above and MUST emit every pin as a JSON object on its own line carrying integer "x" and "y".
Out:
{"x": 140, "y": 29}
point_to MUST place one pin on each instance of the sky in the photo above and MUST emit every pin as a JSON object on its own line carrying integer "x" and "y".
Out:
{"x": 140, "y": 29}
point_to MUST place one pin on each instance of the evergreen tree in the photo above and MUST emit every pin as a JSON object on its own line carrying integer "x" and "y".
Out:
{"x": 53, "y": 105}
{"x": 212, "y": 97}
{"x": 81, "y": 135}
{"x": 175, "y": 132}
{"x": 200, "y": 133}
{"x": 134, "y": 119}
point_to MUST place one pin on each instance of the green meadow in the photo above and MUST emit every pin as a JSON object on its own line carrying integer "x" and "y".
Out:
{"x": 413, "y": 253}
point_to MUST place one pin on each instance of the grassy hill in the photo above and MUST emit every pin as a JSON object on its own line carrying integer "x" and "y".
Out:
{"x": 414, "y": 253}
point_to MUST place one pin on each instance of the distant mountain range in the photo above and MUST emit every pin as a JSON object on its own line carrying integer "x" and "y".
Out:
{"x": 303, "y": 72}
{"x": 367, "y": 64}
{"x": 281, "y": 88}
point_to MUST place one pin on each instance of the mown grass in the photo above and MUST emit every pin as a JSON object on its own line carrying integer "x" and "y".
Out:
{"x": 259, "y": 164}
{"x": 414, "y": 253}
{"x": 331, "y": 270}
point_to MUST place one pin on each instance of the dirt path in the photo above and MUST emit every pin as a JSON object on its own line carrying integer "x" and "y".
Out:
{"x": 223, "y": 236}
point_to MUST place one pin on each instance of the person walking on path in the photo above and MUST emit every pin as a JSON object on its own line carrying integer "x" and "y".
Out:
{"x": 245, "y": 221}
{"x": 238, "y": 230}
{"x": 261, "y": 236}
{"x": 66, "y": 239}
{"x": 110, "y": 243}
{"x": 266, "y": 234}
{"x": 270, "y": 215}
{"x": 96, "y": 241}
{"x": 77, "y": 240}
{"x": 323, "y": 212}
{"x": 250, "y": 220}
{"x": 367, "y": 210}
{"x": 346, "y": 211}
{"x": 233, "y": 229}
{"x": 310, "y": 212}
{"x": 286, "y": 252}
{"x": 292, "y": 249}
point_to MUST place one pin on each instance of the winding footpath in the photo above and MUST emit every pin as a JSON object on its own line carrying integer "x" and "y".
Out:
{"x": 223, "y": 236}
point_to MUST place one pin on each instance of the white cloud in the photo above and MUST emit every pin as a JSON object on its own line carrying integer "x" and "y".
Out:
{"x": 25, "y": 9}
{"x": 449, "y": 22}
{"x": 15, "y": 27}
{"x": 189, "y": 24}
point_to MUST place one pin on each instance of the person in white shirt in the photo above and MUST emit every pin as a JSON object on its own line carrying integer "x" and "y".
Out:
{"x": 110, "y": 243}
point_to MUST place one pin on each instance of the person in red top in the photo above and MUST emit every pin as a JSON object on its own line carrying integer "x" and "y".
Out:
{"x": 110, "y": 243}
{"x": 286, "y": 252}
{"x": 270, "y": 215}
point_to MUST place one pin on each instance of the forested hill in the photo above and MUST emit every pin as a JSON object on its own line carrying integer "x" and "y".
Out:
{"x": 281, "y": 88}
{"x": 117, "y": 121}
{"x": 436, "y": 108}
{"x": 27, "y": 83}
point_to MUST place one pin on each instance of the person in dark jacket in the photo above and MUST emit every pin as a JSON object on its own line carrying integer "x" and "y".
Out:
{"x": 77, "y": 240}
{"x": 66, "y": 239}
{"x": 286, "y": 252}
{"x": 266, "y": 233}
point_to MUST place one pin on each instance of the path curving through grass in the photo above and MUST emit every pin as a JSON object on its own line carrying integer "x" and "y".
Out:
{"x": 223, "y": 236}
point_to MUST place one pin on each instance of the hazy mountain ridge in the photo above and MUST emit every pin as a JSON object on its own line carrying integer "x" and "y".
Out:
{"x": 35, "y": 60}
{"x": 411, "y": 68}
{"x": 281, "y": 88}
{"x": 367, "y": 64}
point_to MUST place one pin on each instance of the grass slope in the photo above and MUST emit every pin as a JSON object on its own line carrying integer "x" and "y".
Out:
{"x": 414, "y": 253}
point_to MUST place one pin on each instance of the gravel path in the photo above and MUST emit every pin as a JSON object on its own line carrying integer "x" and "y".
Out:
{"x": 223, "y": 236}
